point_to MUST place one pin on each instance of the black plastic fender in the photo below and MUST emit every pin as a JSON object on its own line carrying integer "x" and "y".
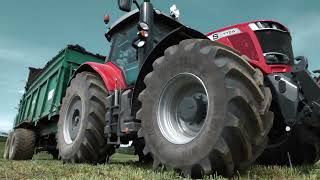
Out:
{"x": 174, "y": 37}
{"x": 286, "y": 94}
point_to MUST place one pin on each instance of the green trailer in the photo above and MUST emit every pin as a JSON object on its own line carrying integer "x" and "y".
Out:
{"x": 39, "y": 107}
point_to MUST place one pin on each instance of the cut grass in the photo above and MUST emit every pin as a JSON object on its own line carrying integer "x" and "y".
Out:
{"x": 124, "y": 166}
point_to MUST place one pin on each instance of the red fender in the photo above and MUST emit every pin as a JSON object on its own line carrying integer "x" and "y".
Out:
{"x": 111, "y": 75}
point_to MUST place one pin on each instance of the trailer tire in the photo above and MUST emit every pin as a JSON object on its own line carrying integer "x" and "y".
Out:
{"x": 7, "y": 147}
{"x": 22, "y": 144}
{"x": 226, "y": 137}
{"x": 81, "y": 123}
{"x": 301, "y": 147}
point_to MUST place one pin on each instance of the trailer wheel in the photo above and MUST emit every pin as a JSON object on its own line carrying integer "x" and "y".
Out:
{"x": 7, "y": 147}
{"x": 81, "y": 124}
{"x": 22, "y": 144}
{"x": 301, "y": 147}
{"x": 204, "y": 110}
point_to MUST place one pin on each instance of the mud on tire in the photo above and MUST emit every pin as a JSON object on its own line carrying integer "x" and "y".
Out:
{"x": 236, "y": 123}
{"x": 81, "y": 125}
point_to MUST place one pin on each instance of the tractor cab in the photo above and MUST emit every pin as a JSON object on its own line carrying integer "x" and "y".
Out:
{"x": 122, "y": 53}
{"x": 126, "y": 31}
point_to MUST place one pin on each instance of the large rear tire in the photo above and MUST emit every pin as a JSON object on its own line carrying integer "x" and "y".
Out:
{"x": 22, "y": 144}
{"x": 139, "y": 145}
{"x": 81, "y": 124}
{"x": 204, "y": 110}
{"x": 7, "y": 147}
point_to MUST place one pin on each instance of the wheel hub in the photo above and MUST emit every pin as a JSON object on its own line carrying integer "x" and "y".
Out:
{"x": 72, "y": 121}
{"x": 75, "y": 124}
{"x": 192, "y": 109}
{"x": 182, "y": 108}
{"x": 188, "y": 109}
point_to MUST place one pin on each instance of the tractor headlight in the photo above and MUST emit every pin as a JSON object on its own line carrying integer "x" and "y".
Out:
{"x": 141, "y": 44}
{"x": 143, "y": 26}
{"x": 143, "y": 34}
{"x": 137, "y": 43}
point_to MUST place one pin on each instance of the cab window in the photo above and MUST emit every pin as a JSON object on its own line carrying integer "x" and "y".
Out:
{"x": 122, "y": 53}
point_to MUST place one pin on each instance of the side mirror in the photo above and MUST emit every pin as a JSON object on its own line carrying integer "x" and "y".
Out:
{"x": 304, "y": 60}
{"x": 125, "y": 5}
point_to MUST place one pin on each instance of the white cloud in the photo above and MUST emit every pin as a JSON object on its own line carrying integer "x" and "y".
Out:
{"x": 306, "y": 36}
{"x": 17, "y": 55}
{"x": 25, "y": 56}
{"x": 16, "y": 91}
{"x": 6, "y": 122}
{"x": 20, "y": 52}
{"x": 21, "y": 91}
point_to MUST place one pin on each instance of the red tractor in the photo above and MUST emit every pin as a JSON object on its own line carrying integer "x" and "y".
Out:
{"x": 201, "y": 104}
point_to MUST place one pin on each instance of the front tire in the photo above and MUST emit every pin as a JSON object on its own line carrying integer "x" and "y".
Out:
{"x": 204, "y": 110}
{"x": 81, "y": 124}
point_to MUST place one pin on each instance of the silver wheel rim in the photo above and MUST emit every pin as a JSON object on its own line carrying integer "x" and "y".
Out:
{"x": 182, "y": 108}
{"x": 12, "y": 141}
{"x": 8, "y": 143}
{"x": 72, "y": 121}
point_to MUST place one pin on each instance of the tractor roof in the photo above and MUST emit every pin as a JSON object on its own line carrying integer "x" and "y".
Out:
{"x": 124, "y": 18}
{"x": 134, "y": 15}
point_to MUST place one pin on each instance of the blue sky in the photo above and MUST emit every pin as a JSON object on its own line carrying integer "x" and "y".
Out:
{"x": 33, "y": 31}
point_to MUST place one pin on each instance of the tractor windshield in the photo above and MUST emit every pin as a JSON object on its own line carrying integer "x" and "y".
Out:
{"x": 122, "y": 53}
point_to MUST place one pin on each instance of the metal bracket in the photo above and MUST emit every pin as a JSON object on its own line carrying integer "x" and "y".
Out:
{"x": 286, "y": 94}
{"x": 111, "y": 117}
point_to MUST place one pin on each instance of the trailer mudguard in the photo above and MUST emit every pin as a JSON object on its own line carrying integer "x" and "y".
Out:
{"x": 174, "y": 37}
{"x": 111, "y": 75}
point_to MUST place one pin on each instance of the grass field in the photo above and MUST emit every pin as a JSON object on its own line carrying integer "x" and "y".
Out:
{"x": 125, "y": 167}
